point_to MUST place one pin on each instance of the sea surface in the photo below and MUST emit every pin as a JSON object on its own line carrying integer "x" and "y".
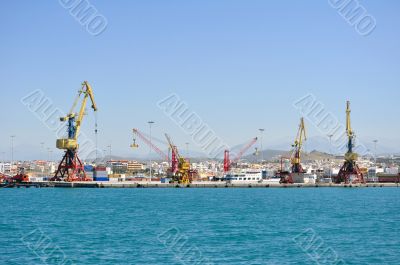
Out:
{"x": 200, "y": 226}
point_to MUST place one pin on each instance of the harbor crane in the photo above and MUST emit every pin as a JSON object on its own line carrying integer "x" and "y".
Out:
{"x": 297, "y": 148}
{"x": 71, "y": 167}
{"x": 180, "y": 166}
{"x": 227, "y": 161}
{"x": 295, "y": 158}
{"x": 350, "y": 172}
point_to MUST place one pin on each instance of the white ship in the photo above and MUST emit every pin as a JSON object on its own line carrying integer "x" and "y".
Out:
{"x": 245, "y": 177}
{"x": 249, "y": 177}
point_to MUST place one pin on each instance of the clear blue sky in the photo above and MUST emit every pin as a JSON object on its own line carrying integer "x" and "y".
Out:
{"x": 238, "y": 64}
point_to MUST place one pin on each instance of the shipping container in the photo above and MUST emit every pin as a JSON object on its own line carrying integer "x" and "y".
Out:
{"x": 88, "y": 168}
{"x": 101, "y": 179}
{"x": 98, "y": 173}
{"x": 165, "y": 180}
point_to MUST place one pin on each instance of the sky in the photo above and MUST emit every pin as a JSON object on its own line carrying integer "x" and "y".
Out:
{"x": 239, "y": 65}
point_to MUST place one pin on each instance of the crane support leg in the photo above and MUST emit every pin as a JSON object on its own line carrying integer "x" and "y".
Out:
{"x": 350, "y": 173}
{"x": 70, "y": 168}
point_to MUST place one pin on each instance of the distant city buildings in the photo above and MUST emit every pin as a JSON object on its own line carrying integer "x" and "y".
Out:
{"x": 212, "y": 169}
{"x": 5, "y": 168}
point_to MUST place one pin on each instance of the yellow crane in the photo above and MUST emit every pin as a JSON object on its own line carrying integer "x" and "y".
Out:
{"x": 297, "y": 148}
{"x": 180, "y": 167}
{"x": 350, "y": 155}
{"x": 71, "y": 167}
{"x": 350, "y": 172}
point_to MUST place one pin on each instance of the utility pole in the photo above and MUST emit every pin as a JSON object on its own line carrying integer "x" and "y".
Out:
{"x": 96, "y": 137}
{"x": 330, "y": 151}
{"x": 105, "y": 156}
{"x": 262, "y": 151}
{"x": 42, "y": 149}
{"x": 375, "y": 142}
{"x": 12, "y": 151}
{"x": 187, "y": 150}
{"x": 151, "y": 162}
{"x": 109, "y": 150}
{"x": 49, "y": 158}
{"x": 49, "y": 152}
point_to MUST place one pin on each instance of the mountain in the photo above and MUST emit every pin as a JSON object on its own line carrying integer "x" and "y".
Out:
{"x": 322, "y": 144}
{"x": 317, "y": 155}
{"x": 267, "y": 155}
{"x": 315, "y": 148}
{"x": 270, "y": 155}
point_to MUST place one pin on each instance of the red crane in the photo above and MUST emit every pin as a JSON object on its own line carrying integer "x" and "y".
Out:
{"x": 228, "y": 163}
{"x": 149, "y": 143}
{"x": 174, "y": 155}
{"x": 180, "y": 166}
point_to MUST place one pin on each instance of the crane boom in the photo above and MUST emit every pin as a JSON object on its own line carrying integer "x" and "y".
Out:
{"x": 348, "y": 120}
{"x": 151, "y": 145}
{"x": 228, "y": 163}
{"x": 350, "y": 155}
{"x": 88, "y": 92}
{"x": 301, "y": 135}
{"x": 298, "y": 145}
{"x": 172, "y": 146}
{"x": 74, "y": 121}
{"x": 170, "y": 143}
{"x": 175, "y": 157}
{"x": 244, "y": 150}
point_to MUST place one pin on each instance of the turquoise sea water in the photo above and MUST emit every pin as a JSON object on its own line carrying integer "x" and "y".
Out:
{"x": 200, "y": 226}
